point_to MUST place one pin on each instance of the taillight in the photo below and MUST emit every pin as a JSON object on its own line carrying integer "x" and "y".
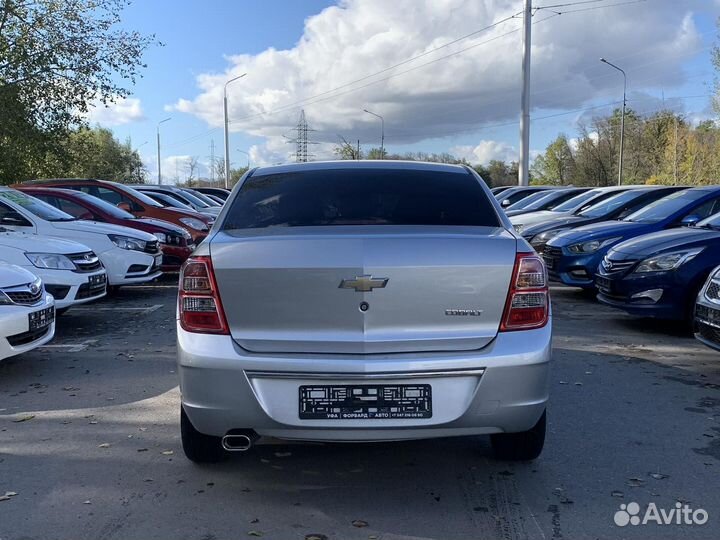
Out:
{"x": 527, "y": 304}
{"x": 199, "y": 302}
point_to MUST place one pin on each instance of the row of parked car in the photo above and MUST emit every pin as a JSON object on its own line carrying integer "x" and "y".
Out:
{"x": 65, "y": 242}
{"x": 651, "y": 251}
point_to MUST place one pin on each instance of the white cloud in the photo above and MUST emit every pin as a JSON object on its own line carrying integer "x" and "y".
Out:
{"x": 485, "y": 152}
{"x": 122, "y": 111}
{"x": 458, "y": 94}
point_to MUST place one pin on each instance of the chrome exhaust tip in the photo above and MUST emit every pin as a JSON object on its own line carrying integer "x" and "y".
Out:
{"x": 237, "y": 443}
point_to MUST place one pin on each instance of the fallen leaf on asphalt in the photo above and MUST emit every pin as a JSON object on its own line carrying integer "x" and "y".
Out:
{"x": 142, "y": 449}
{"x": 359, "y": 523}
{"x": 143, "y": 429}
{"x": 659, "y": 476}
{"x": 24, "y": 418}
{"x": 635, "y": 482}
{"x": 104, "y": 445}
{"x": 617, "y": 493}
{"x": 563, "y": 382}
{"x": 167, "y": 453}
{"x": 578, "y": 384}
{"x": 283, "y": 454}
{"x": 92, "y": 422}
{"x": 254, "y": 533}
{"x": 87, "y": 502}
{"x": 256, "y": 520}
{"x": 7, "y": 495}
{"x": 315, "y": 536}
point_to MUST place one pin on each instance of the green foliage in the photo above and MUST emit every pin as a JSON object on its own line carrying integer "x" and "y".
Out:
{"x": 56, "y": 59}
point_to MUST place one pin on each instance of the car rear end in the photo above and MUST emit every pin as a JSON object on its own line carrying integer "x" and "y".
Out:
{"x": 359, "y": 302}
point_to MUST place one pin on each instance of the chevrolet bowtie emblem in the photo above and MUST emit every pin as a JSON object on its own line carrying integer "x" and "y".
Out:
{"x": 364, "y": 283}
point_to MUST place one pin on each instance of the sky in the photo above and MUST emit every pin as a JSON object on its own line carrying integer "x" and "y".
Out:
{"x": 444, "y": 74}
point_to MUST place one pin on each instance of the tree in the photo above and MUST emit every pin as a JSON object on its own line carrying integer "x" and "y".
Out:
{"x": 191, "y": 167}
{"x": 345, "y": 150}
{"x": 557, "y": 164}
{"x": 57, "y": 58}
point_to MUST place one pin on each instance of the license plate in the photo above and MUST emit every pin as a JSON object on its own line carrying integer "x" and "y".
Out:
{"x": 97, "y": 280}
{"x": 366, "y": 402}
{"x": 603, "y": 284}
{"x": 41, "y": 319}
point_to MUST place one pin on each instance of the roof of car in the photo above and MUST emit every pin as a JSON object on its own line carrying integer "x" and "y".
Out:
{"x": 66, "y": 180}
{"x": 359, "y": 164}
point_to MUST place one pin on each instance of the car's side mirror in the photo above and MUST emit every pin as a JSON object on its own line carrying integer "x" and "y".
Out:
{"x": 14, "y": 218}
{"x": 691, "y": 220}
{"x": 124, "y": 206}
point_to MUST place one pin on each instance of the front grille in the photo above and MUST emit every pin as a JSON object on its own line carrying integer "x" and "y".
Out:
{"x": 27, "y": 297}
{"x": 58, "y": 291}
{"x": 27, "y": 337}
{"x": 709, "y": 333}
{"x": 612, "y": 267}
{"x": 713, "y": 291}
{"x": 175, "y": 240}
{"x": 153, "y": 246}
{"x": 85, "y": 262}
{"x": 551, "y": 256}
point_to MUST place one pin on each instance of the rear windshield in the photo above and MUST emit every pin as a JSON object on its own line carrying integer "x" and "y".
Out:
{"x": 361, "y": 197}
{"x": 611, "y": 204}
{"x": 667, "y": 206}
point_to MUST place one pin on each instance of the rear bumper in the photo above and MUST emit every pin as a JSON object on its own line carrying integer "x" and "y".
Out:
{"x": 501, "y": 388}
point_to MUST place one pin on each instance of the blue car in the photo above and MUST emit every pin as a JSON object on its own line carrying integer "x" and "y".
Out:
{"x": 573, "y": 257}
{"x": 707, "y": 312}
{"x": 618, "y": 206}
{"x": 660, "y": 274}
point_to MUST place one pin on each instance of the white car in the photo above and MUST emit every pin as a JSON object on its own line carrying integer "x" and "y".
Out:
{"x": 129, "y": 256}
{"x": 71, "y": 272}
{"x": 27, "y": 311}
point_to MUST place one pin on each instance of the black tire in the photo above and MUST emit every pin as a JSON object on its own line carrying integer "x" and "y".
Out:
{"x": 523, "y": 446}
{"x": 198, "y": 447}
{"x": 112, "y": 290}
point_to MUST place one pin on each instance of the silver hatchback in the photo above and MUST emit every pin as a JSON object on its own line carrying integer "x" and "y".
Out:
{"x": 363, "y": 301}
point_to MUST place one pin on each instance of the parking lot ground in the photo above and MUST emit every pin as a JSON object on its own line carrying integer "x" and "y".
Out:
{"x": 89, "y": 442}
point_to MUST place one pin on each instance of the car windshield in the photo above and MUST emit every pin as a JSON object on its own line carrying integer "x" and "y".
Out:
{"x": 607, "y": 206}
{"x": 361, "y": 197}
{"x": 195, "y": 201}
{"x": 105, "y": 206}
{"x": 167, "y": 200}
{"x": 138, "y": 195}
{"x": 712, "y": 222}
{"x": 35, "y": 206}
{"x": 207, "y": 200}
{"x": 577, "y": 201}
{"x": 665, "y": 207}
{"x": 524, "y": 203}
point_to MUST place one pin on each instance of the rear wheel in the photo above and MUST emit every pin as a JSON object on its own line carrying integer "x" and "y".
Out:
{"x": 522, "y": 446}
{"x": 197, "y": 446}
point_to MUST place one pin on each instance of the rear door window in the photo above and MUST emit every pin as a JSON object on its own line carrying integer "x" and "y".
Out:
{"x": 361, "y": 197}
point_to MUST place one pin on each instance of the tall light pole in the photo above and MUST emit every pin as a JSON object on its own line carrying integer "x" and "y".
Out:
{"x": 382, "y": 132}
{"x": 524, "y": 162}
{"x": 248, "y": 156}
{"x": 158, "y": 148}
{"x": 622, "y": 118}
{"x": 227, "y": 135}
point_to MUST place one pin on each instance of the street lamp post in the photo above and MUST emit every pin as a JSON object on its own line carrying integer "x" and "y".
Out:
{"x": 248, "y": 156}
{"x": 158, "y": 149}
{"x": 622, "y": 118}
{"x": 227, "y": 136}
{"x": 382, "y": 132}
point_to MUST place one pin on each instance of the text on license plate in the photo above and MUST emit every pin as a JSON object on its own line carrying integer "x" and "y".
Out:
{"x": 377, "y": 401}
{"x": 42, "y": 318}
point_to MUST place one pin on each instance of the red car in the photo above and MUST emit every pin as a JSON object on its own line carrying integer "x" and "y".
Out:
{"x": 175, "y": 242}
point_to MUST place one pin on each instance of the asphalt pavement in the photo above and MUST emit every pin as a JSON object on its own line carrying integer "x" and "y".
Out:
{"x": 90, "y": 446}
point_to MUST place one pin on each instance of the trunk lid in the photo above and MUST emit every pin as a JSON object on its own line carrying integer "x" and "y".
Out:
{"x": 281, "y": 288}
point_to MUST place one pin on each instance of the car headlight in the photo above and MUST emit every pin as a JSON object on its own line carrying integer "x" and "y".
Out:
{"x": 544, "y": 237}
{"x": 50, "y": 261}
{"x": 518, "y": 227}
{"x": 592, "y": 246}
{"x": 194, "y": 223}
{"x": 127, "y": 242}
{"x": 4, "y": 300}
{"x": 666, "y": 261}
{"x": 162, "y": 237}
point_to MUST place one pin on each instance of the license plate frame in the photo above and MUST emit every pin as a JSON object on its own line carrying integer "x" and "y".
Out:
{"x": 365, "y": 402}
{"x": 37, "y": 320}
{"x": 97, "y": 280}
{"x": 603, "y": 284}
